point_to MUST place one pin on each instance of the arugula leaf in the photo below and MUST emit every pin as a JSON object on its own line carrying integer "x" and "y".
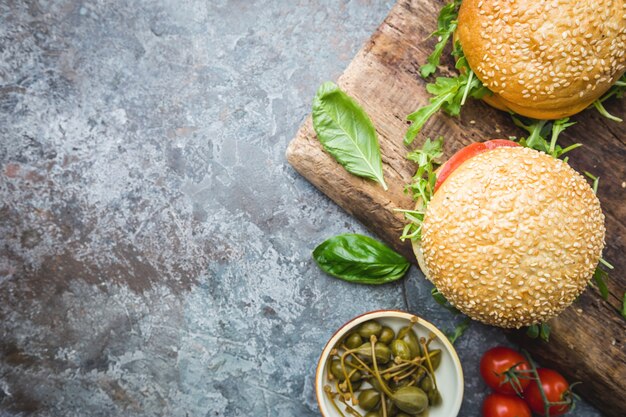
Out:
{"x": 624, "y": 306}
{"x": 596, "y": 181}
{"x": 413, "y": 229}
{"x": 459, "y": 330}
{"x": 539, "y": 131}
{"x": 442, "y": 301}
{"x": 360, "y": 259}
{"x": 446, "y": 25}
{"x": 423, "y": 185}
{"x": 449, "y": 94}
{"x": 347, "y": 133}
{"x": 461, "y": 327}
{"x": 618, "y": 89}
{"x": 600, "y": 276}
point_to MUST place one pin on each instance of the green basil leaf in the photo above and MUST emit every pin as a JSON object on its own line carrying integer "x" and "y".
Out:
{"x": 347, "y": 133}
{"x": 360, "y": 259}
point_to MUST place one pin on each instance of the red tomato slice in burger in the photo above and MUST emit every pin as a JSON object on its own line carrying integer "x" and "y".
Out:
{"x": 468, "y": 152}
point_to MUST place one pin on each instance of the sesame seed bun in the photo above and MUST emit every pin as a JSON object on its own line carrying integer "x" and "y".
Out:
{"x": 544, "y": 59}
{"x": 512, "y": 237}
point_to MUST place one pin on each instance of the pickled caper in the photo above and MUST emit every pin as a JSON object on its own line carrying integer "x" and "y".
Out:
{"x": 369, "y": 399}
{"x": 419, "y": 375}
{"x": 355, "y": 386}
{"x": 407, "y": 335}
{"x": 353, "y": 341}
{"x": 434, "y": 397}
{"x": 426, "y": 384}
{"x": 373, "y": 413}
{"x": 394, "y": 385}
{"x": 375, "y": 384}
{"x": 411, "y": 400}
{"x": 369, "y": 328}
{"x": 400, "y": 349}
{"x": 435, "y": 358}
{"x": 386, "y": 335}
{"x": 383, "y": 353}
{"x": 337, "y": 371}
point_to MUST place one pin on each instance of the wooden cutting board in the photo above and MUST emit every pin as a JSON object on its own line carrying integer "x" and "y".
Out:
{"x": 588, "y": 340}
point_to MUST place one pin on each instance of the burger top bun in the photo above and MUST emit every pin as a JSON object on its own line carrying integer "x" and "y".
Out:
{"x": 544, "y": 59}
{"x": 512, "y": 237}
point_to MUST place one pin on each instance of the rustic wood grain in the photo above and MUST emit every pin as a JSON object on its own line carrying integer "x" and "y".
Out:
{"x": 587, "y": 341}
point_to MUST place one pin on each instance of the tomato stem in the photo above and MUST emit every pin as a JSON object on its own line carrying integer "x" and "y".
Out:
{"x": 569, "y": 395}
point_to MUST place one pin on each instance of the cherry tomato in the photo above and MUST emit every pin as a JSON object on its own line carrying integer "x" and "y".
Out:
{"x": 496, "y": 362}
{"x": 556, "y": 389}
{"x": 501, "y": 405}
{"x": 466, "y": 153}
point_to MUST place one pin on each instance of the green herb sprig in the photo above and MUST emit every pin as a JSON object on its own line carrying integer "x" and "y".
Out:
{"x": 442, "y": 301}
{"x": 459, "y": 330}
{"x": 423, "y": 185}
{"x": 461, "y": 327}
{"x": 449, "y": 94}
{"x": 541, "y": 331}
{"x": 540, "y": 130}
{"x": 446, "y": 25}
{"x": 617, "y": 90}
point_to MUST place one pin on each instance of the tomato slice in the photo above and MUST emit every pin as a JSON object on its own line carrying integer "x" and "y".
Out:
{"x": 468, "y": 152}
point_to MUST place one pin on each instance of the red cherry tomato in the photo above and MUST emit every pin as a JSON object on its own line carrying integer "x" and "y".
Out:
{"x": 501, "y": 405}
{"x": 468, "y": 152}
{"x": 496, "y": 362}
{"x": 556, "y": 389}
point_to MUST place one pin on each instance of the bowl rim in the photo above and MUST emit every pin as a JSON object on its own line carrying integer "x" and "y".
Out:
{"x": 319, "y": 391}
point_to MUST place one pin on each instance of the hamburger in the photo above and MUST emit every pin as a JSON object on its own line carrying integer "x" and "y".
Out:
{"x": 511, "y": 236}
{"x": 544, "y": 59}
{"x": 541, "y": 59}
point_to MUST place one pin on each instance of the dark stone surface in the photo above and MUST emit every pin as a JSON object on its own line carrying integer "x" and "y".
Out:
{"x": 154, "y": 243}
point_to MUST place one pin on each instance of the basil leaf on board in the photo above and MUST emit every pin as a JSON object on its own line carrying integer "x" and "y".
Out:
{"x": 347, "y": 133}
{"x": 360, "y": 259}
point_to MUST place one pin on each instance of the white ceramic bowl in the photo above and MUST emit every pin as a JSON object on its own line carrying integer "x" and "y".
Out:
{"x": 449, "y": 374}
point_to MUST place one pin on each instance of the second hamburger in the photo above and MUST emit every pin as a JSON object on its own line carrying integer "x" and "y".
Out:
{"x": 511, "y": 235}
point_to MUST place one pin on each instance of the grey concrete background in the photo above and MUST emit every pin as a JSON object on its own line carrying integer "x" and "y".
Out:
{"x": 155, "y": 245}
